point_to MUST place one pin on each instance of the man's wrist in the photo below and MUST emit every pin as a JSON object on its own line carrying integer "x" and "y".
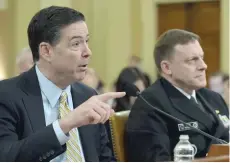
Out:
{"x": 65, "y": 125}
{"x": 61, "y": 136}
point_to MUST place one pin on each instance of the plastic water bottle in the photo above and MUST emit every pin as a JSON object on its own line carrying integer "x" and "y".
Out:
{"x": 184, "y": 151}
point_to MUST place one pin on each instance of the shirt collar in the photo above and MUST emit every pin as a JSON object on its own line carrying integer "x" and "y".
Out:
{"x": 186, "y": 94}
{"x": 50, "y": 90}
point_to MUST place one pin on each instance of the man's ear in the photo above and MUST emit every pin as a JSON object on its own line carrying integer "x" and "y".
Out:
{"x": 166, "y": 67}
{"x": 45, "y": 51}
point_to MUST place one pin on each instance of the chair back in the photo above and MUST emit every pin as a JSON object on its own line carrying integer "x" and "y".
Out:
{"x": 117, "y": 127}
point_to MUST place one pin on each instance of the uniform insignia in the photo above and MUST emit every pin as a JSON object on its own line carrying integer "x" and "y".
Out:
{"x": 182, "y": 127}
{"x": 223, "y": 118}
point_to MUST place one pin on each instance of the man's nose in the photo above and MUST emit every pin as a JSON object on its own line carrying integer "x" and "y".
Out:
{"x": 203, "y": 65}
{"x": 87, "y": 52}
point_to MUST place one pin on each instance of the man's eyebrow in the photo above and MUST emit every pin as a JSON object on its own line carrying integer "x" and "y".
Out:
{"x": 77, "y": 37}
{"x": 195, "y": 56}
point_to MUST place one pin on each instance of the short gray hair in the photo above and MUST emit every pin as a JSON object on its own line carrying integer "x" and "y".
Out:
{"x": 164, "y": 47}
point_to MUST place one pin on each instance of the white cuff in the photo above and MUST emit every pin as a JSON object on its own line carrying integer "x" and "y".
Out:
{"x": 62, "y": 137}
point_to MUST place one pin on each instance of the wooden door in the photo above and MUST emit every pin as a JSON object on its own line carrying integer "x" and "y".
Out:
{"x": 202, "y": 18}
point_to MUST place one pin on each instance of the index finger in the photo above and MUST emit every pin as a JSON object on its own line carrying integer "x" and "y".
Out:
{"x": 110, "y": 95}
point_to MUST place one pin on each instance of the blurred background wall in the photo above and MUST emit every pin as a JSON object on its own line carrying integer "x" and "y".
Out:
{"x": 121, "y": 28}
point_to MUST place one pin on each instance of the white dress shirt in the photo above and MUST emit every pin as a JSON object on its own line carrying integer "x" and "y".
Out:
{"x": 186, "y": 94}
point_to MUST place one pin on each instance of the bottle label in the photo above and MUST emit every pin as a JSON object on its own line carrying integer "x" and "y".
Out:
{"x": 183, "y": 158}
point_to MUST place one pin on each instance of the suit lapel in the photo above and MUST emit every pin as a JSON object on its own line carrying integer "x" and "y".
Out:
{"x": 85, "y": 132}
{"x": 185, "y": 106}
{"x": 208, "y": 107}
{"x": 191, "y": 110}
{"x": 78, "y": 96}
{"x": 219, "y": 125}
{"x": 33, "y": 100}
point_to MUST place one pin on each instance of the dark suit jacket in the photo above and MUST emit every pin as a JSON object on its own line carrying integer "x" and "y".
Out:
{"x": 151, "y": 136}
{"x": 24, "y": 135}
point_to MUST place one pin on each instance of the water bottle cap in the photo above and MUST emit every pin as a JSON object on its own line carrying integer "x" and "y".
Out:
{"x": 184, "y": 137}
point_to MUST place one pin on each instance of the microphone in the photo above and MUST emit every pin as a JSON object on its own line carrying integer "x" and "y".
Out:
{"x": 132, "y": 90}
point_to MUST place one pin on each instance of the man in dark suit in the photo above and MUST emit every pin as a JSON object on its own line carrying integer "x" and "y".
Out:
{"x": 180, "y": 92}
{"x": 38, "y": 121}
